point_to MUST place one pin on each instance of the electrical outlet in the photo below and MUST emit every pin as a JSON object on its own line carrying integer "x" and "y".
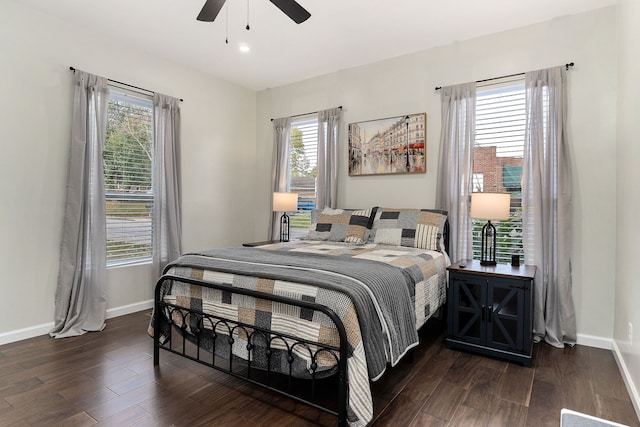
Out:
{"x": 630, "y": 331}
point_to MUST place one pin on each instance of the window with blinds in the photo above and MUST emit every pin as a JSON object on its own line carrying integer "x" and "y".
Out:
{"x": 304, "y": 170}
{"x": 128, "y": 160}
{"x": 497, "y": 159}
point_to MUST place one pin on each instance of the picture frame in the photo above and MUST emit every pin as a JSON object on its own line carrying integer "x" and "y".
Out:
{"x": 394, "y": 145}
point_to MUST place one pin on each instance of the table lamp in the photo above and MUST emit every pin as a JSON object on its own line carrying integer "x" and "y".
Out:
{"x": 285, "y": 202}
{"x": 489, "y": 206}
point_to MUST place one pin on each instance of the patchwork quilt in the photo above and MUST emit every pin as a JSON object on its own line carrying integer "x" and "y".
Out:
{"x": 381, "y": 293}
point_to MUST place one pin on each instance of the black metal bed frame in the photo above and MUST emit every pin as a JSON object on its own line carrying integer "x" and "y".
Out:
{"x": 269, "y": 336}
{"x": 253, "y": 333}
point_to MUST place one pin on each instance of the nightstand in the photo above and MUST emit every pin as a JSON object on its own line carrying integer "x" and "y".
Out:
{"x": 254, "y": 244}
{"x": 490, "y": 310}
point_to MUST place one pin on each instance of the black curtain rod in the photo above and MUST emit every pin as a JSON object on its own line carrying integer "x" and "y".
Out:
{"x": 307, "y": 114}
{"x": 125, "y": 84}
{"x": 570, "y": 64}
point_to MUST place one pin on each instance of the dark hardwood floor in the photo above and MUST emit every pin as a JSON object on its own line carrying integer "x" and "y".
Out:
{"x": 108, "y": 379}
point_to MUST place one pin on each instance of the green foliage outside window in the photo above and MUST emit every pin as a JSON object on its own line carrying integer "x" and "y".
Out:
{"x": 128, "y": 139}
{"x": 300, "y": 162}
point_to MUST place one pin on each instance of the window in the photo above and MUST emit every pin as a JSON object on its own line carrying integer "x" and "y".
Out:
{"x": 304, "y": 170}
{"x": 128, "y": 157}
{"x": 497, "y": 159}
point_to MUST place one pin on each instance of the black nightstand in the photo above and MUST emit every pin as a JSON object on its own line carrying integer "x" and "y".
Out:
{"x": 254, "y": 244}
{"x": 490, "y": 310}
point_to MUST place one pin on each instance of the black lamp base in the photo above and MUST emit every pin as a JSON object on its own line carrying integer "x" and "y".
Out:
{"x": 284, "y": 228}
{"x": 489, "y": 242}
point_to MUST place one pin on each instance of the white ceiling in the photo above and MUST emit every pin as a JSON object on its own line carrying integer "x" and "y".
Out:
{"x": 340, "y": 33}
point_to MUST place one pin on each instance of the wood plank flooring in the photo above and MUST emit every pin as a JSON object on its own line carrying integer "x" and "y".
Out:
{"x": 108, "y": 379}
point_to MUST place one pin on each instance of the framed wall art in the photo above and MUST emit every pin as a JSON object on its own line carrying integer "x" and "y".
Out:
{"x": 388, "y": 146}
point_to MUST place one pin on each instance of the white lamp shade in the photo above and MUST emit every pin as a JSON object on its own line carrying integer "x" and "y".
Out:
{"x": 285, "y": 202}
{"x": 490, "y": 205}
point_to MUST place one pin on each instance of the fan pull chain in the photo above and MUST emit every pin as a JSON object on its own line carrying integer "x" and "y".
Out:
{"x": 226, "y": 29}
{"x": 248, "y": 27}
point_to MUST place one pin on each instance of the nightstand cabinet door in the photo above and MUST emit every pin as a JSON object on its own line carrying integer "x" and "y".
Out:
{"x": 506, "y": 306}
{"x": 467, "y": 309}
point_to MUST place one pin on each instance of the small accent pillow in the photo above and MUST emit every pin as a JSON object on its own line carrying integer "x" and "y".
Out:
{"x": 341, "y": 225}
{"x": 416, "y": 228}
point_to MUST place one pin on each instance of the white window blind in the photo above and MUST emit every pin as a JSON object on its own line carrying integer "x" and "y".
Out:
{"x": 497, "y": 159}
{"x": 304, "y": 170}
{"x": 128, "y": 158}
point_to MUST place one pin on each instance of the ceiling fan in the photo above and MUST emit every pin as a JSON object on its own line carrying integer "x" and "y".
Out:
{"x": 291, "y": 8}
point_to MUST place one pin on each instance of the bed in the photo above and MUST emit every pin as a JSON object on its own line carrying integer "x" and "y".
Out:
{"x": 337, "y": 308}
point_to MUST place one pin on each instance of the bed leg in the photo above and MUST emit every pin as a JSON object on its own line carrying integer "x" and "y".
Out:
{"x": 342, "y": 398}
{"x": 156, "y": 342}
{"x": 156, "y": 353}
{"x": 156, "y": 323}
{"x": 443, "y": 312}
{"x": 410, "y": 357}
{"x": 343, "y": 375}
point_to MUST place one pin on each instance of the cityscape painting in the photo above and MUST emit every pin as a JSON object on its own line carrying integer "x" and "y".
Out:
{"x": 388, "y": 146}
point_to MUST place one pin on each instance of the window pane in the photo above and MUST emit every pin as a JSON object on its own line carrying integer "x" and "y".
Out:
{"x": 497, "y": 161}
{"x": 128, "y": 157}
{"x": 304, "y": 170}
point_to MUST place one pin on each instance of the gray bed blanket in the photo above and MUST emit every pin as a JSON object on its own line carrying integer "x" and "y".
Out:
{"x": 381, "y": 293}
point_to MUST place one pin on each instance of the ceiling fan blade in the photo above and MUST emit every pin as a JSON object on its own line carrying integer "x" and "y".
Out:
{"x": 210, "y": 10}
{"x": 293, "y": 10}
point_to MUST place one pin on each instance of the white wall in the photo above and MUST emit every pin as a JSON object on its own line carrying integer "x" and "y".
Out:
{"x": 218, "y": 150}
{"x": 406, "y": 85}
{"x": 627, "y": 308}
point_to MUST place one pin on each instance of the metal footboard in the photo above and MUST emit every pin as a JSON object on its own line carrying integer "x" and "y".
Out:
{"x": 196, "y": 323}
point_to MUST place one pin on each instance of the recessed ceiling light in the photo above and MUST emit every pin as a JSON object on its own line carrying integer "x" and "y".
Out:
{"x": 244, "y": 48}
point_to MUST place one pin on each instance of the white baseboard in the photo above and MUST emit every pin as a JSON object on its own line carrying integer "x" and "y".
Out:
{"x": 594, "y": 341}
{"x": 128, "y": 309}
{"x": 25, "y": 333}
{"x": 35, "y": 331}
{"x": 634, "y": 395}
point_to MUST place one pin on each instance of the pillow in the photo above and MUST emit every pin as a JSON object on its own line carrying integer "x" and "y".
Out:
{"x": 416, "y": 228}
{"x": 341, "y": 225}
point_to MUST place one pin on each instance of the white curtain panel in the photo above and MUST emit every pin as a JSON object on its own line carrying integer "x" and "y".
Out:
{"x": 81, "y": 294}
{"x": 453, "y": 193}
{"x": 167, "y": 210}
{"x": 547, "y": 206}
{"x": 328, "y": 134}
{"x": 281, "y": 167}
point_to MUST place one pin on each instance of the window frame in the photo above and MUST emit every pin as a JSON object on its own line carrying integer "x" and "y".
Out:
{"x": 136, "y": 99}
{"x": 509, "y": 232}
{"x": 306, "y": 203}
